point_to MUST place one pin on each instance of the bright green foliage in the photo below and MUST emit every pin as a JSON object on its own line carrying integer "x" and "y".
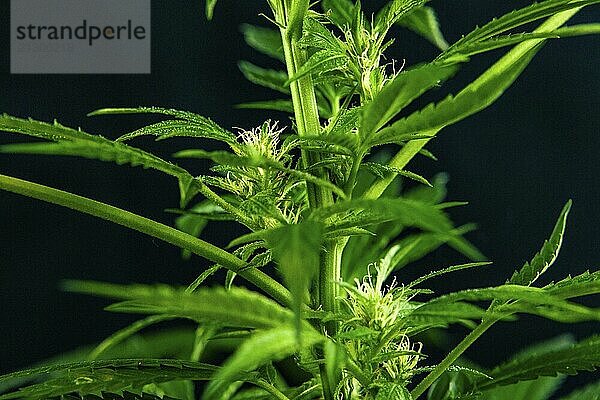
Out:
{"x": 325, "y": 214}
{"x": 114, "y": 376}
{"x": 546, "y": 257}
{"x": 590, "y": 392}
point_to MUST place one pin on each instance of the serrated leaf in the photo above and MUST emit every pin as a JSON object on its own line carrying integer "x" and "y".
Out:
{"x": 275, "y": 105}
{"x": 125, "y": 333}
{"x": 94, "y": 377}
{"x": 393, "y": 391}
{"x": 297, "y": 248}
{"x": 262, "y": 347}
{"x": 475, "y": 97}
{"x": 180, "y": 128}
{"x": 227, "y": 158}
{"x": 440, "y": 315}
{"x": 471, "y": 49}
{"x": 268, "y": 78}
{"x": 444, "y": 271}
{"x": 185, "y": 115}
{"x": 73, "y": 142}
{"x": 539, "y": 389}
{"x": 339, "y": 11}
{"x": 407, "y": 212}
{"x": 517, "y": 18}
{"x": 296, "y": 14}
{"x": 382, "y": 170}
{"x": 317, "y": 36}
{"x": 236, "y": 307}
{"x": 547, "y": 255}
{"x": 423, "y": 21}
{"x": 393, "y": 11}
{"x": 265, "y": 40}
{"x": 530, "y": 296}
{"x": 578, "y": 286}
{"x": 399, "y": 93}
{"x": 589, "y": 392}
{"x": 582, "y": 356}
{"x": 320, "y": 63}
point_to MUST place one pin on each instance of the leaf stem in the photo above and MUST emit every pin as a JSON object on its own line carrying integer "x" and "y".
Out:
{"x": 452, "y": 357}
{"x": 276, "y": 393}
{"x": 400, "y": 160}
{"x": 149, "y": 227}
{"x": 325, "y": 383}
{"x": 304, "y": 101}
{"x": 221, "y": 202}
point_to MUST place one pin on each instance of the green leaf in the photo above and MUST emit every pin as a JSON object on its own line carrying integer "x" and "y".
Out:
{"x": 335, "y": 360}
{"x": 339, "y": 11}
{"x": 275, "y": 105}
{"x": 475, "y": 97}
{"x": 186, "y": 124}
{"x": 265, "y": 40}
{"x": 184, "y": 115}
{"x": 297, "y": 248}
{"x": 582, "y": 356}
{"x": 547, "y": 255}
{"x": 276, "y": 80}
{"x": 381, "y": 170}
{"x": 470, "y": 49}
{"x": 125, "y": 333}
{"x": 236, "y": 307}
{"x": 399, "y": 93}
{"x": 407, "y": 212}
{"x": 94, "y": 377}
{"x": 539, "y": 389}
{"x": 444, "y": 271}
{"x": 260, "y": 348}
{"x": 394, "y": 11}
{"x": 578, "y": 286}
{"x": 178, "y": 128}
{"x": 317, "y": 36}
{"x": 589, "y": 392}
{"x": 227, "y": 158}
{"x": 530, "y": 296}
{"x": 423, "y": 21}
{"x": 210, "y": 8}
{"x": 517, "y": 18}
{"x": 73, "y": 142}
{"x": 295, "y": 17}
{"x": 432, "y": 315}
{"x": 320, "y": 63}
{"x": 393, "y": 391}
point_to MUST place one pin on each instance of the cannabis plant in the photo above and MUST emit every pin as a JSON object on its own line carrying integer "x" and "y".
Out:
{"x": 314, "y": 304}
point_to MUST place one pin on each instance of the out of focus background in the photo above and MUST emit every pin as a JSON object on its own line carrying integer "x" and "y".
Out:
{"x": 516, "y": 163}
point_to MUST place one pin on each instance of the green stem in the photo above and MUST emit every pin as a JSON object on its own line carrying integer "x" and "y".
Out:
{"x": 400, "y": 160}
{"x": 305, "y": 106}
{"x": 330, "y": 275}
{"x": 308, "y": 124}
{"x": 358, "y": 373}
{"x": 276, "y": 393}
{"x": 221, "y": 202}
{"x": 149, "y": 227}
{"x": 452, "y": 357}
{"x": 325, "y": 383}
{"x": 351, "y": 182}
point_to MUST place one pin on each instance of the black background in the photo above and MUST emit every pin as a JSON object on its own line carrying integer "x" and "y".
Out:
{"x": 516, "y": 163}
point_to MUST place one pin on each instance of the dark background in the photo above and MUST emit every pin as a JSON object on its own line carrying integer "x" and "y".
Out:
{"x": 517, "y": 163}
